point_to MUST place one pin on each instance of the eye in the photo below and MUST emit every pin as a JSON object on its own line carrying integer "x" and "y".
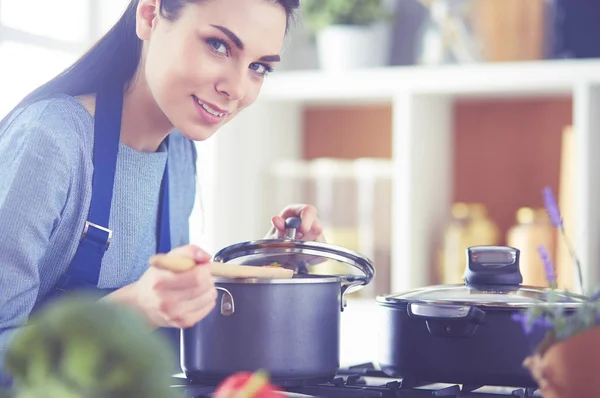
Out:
{"x": 261, "y": 69}
{"x": 218, "y": 46}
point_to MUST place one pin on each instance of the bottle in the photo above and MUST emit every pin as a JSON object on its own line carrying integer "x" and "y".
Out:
{"x": 335, "y": 198}
{"x": 454, "y": 240}
{"x": 374, "y": 204}
{"x": 533, "y": 228}
{"x": 469, "y": 226}
{"x": 482, "y": 230}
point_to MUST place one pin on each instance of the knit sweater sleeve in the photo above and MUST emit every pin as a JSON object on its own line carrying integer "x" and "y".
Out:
{"x": 34, "y": 184}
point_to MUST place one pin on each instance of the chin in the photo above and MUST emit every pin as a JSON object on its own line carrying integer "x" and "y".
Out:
{"x": 198, "y": 133}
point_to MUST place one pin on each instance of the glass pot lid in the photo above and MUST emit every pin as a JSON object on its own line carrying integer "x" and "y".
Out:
{"x": 492, "y": 279}
{"x": 485, "y": 296}
{"x": 303, "y": 257}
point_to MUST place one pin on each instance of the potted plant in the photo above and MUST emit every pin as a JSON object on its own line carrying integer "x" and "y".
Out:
{"x": 565, "y": 362}
{"x": 349, "y": 33}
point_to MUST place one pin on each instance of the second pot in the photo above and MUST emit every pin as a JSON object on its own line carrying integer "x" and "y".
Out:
{"x": 465, "y": 334}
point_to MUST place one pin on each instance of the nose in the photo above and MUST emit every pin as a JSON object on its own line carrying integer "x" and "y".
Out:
{"x": 233, "y": 84}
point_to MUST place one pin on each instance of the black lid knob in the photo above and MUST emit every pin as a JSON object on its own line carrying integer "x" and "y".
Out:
{"x": 493, "y": 265}
{"x": 293, "y": 222}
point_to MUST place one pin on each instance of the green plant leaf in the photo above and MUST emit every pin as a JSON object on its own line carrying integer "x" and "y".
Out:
{"x": 319, "y": 14}
{"x": 84, "y": 348}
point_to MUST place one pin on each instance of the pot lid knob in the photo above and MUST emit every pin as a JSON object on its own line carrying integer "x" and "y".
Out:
{"x": 291, "y": 225}
{"x": 493, "y": 265}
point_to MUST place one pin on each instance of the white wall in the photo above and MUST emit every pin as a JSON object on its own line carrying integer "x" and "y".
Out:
{"x": 39, "y": 39}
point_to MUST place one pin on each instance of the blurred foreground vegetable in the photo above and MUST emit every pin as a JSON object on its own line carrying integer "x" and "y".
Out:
{"x": 78, "y": 347}
{"x": 247, "y": 385}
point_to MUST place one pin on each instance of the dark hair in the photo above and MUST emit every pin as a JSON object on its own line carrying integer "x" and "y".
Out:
{"x": 115, "y": 57}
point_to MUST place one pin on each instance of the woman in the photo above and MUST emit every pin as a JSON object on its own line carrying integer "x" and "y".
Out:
{"x": 101, "y": 163}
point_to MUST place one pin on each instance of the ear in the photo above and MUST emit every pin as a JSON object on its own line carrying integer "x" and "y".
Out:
{"x": 146, "y": 18}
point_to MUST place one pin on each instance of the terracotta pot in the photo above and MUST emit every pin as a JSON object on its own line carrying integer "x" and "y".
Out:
{"x": 569, "y": 368}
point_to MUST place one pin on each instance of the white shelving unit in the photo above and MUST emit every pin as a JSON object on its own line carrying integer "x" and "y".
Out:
{"x": 421, "y": 99}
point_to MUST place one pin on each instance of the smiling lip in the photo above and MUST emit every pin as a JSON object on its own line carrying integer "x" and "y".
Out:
{"x": 213, "y": 106}
{"x": 216, "y": 108}
{"x": 213, "y": 115}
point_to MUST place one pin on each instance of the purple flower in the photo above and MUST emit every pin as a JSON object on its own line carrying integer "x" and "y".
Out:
{"x": 554, "y": 214}
{"x": 552, "y": 208}
{"x": 548, "y": 266}
{"x": 523, "y": 319}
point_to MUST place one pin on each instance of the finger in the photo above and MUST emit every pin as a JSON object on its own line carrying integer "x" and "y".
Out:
{"x": 279, "y": 226}
{"x": 189, "y": 304}
{"x": 176, "y": 305}
{"x": 193, "y": 312}
{"x": 191, "y": 251}
{"x": 307, "y": 214}
{"x": 321, "y": 238}
{"x": 315, "y": 233}
{"x": 190, "y": 294}
{"x": 199, "y": 276}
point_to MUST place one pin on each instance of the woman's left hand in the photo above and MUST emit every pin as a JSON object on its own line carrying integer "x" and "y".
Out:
{"x": 310, "y": 229}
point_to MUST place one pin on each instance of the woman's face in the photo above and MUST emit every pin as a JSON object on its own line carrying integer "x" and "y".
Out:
{"x": 210, "y": 62}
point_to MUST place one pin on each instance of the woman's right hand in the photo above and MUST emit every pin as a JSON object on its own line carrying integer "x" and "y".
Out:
{"x": 177, "y": 299}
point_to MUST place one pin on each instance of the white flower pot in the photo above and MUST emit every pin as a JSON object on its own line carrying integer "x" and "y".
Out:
{"x": 344, "y": 47}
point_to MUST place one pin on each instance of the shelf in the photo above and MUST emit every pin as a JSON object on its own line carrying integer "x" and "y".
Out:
{"x": 476, "y": 80}
{"x": 421, "y": 102}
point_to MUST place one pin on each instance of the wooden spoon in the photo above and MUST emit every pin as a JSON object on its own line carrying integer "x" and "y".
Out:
{"x": 180, "y": 264}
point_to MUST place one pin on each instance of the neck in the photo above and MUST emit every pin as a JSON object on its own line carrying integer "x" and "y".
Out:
{"x": 144, "y": 126}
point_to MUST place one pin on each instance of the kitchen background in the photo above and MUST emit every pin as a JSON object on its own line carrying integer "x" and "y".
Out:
{"x": 417, "y": 128}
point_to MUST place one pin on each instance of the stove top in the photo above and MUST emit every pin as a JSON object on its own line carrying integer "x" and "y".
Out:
{"x": 365, "y": 381}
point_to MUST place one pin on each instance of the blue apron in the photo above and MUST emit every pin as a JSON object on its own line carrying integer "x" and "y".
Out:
{"x": 84, "y": 270}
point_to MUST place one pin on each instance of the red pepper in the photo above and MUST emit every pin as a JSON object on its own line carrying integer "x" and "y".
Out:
{"x": 237, "y": 381}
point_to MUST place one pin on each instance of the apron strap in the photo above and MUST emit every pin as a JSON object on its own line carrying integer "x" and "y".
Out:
{"x": 85, "y": 266}
{"x": 84, "y": 270}
{"x": 164, "y": 220}
{"x": 107, "y": 128}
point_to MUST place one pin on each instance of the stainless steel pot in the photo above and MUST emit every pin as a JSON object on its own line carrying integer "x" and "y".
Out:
{"x": 465, "y": 333}
{"x": 290, "y": 327}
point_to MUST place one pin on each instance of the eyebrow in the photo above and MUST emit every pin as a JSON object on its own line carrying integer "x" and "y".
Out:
{"x": 239, "y": 44}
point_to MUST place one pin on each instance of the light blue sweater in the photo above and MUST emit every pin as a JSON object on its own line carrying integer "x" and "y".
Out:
{"x": 45, "y": 192}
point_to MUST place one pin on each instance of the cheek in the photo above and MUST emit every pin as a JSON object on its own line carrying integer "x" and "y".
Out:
{"x": 251, "y": 94}
{"x": 169, "y": 60}
{"x": 158, "y": 70}
{"x": 171, "y": 77}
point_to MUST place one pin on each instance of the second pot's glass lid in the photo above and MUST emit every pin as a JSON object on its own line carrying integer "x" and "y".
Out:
{"x": 492, "y": 279}
{"x": 499, "y": 296}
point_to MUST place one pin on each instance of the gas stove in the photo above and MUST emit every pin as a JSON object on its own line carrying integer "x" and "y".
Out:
{"x": 365, "y": 381}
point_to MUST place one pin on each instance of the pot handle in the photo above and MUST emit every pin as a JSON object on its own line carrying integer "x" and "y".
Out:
{"x": 446, "y": 312}
{"x": 349, "y": 283}
{"x": 227, "y": 303}
{"x": 448, "y": 320}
